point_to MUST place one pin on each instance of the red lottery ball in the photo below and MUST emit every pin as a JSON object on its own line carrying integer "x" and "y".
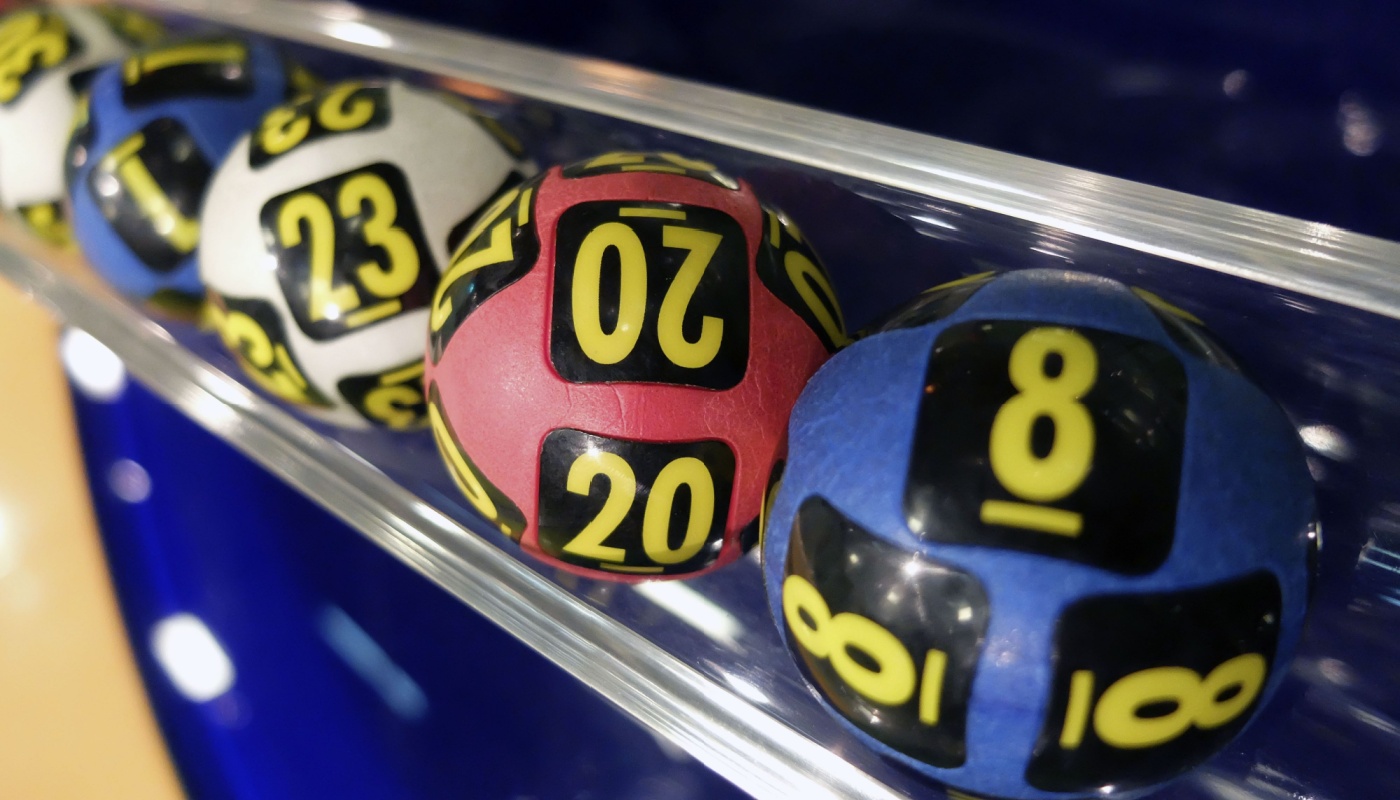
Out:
{"x": 613, "y": 355}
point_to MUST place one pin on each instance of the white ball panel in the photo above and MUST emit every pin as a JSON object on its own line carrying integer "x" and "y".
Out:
{"x": 453, "y": 167}
{"x": 34, "y": 129}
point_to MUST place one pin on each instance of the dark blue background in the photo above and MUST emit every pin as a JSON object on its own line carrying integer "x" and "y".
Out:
{"x": 1132, "y": 88}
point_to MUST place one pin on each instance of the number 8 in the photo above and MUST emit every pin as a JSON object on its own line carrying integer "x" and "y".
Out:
{"x": 1014, "y": 461}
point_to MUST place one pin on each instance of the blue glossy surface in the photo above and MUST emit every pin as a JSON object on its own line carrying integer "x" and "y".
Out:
{"x": 213, "y": 122}
{"x": 1245, "y": 505}
{"x": 354, "y": 677}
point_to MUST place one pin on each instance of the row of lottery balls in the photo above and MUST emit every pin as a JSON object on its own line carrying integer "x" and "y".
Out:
{"x": 647, "y": 314}
{"x": 1046, "y": 467}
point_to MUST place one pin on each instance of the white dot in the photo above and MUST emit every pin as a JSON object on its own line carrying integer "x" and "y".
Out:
{"x": 1326, "y": 440}
{"x": 94, "y": 369}
{"x": 129, "y": 480}
{"x": 191, "y": 657}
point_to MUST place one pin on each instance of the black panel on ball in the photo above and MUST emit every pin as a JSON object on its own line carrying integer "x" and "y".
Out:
{"x": 609, "y": 486}
{"x": 933, "y": 610}
{"x": 328, "y": 260}
{"x": 149, "y": 187}
{"x": 1147, "y": 686}
{"x": 617, "y": 244}
{"x": 1119, "y": 515}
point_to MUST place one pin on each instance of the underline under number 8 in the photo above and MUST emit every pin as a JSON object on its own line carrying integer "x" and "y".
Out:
{"x": 1038, "y": 479}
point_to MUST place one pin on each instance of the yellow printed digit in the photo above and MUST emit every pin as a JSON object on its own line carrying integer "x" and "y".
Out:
{"x": 609, "y": 347}
{"x": 339, "y": 111}
{"x": 1195, "y": 702}
{"x": 379, "y": 230}
{"x": 462, "y": 473}
{"x": 1040, "y": 395}
{"x": 124, "y": 161}
{"x": 180, "y": 55}
{"x": 622, "y": 490}
{"x": 615, "y": 160}
{"x": 1014, "y": 462}
{"x": 893, "y": 679}
{"x": 700, "y": 247}
{"x": 272, "y": 367}
{"x": 324, "y": 298}
{"x": 656, "y": 521}
{"x": 29, "y": 41}
{"x": 499, "y": 250}
{"x": 808, "y": 280}
{"x": 282, "y": 129}
{"x": 393, "y": 400}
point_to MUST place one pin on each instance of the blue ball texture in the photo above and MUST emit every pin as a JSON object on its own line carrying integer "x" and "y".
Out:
{"x": 1038, "y": 537}
{"x": 147, "y": 138}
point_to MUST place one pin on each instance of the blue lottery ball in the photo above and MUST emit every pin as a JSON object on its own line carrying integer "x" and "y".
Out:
{"x": 1037, "y": 537}
{"x": 146, "y": 140}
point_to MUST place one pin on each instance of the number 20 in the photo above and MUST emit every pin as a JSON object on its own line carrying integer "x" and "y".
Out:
{"x": 610, "y": 347}
{"x": 656, "y": 519}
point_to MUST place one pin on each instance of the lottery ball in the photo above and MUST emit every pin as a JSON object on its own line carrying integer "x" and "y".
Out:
{"x": 612, "y": 356}
{"x": 45, "y": 55}
{"x": 145, "y": 145}
{"x": 334, "y": 216}
{"x": 1038, "y": 537}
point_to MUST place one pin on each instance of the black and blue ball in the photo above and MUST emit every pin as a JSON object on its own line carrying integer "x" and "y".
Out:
{"x": 146, "y": 141}
{"x": 1037, "y": 537}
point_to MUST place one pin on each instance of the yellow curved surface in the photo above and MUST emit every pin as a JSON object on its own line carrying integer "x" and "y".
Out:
{"x": 74, "y": 720}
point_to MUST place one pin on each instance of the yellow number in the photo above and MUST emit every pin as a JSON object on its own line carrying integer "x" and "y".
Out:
{"x": 182, "y": 54}
{"x": 124, "y": 161}
{"x": 46, "y": 220}
{"x": 605, "y": 347}
{"x": 601, "y": 346}
{"x": 700, "y": 247}
{"x": 338, "y": 112}
{"x": 894, "y": 679}
{"x": 1195, "y": 702}
{"x": 689, "y": 163}
{"x": 391, "y": 405}
{"x": 23, "y": 39}
{"x": 615, "y": 159}
{"x": 1014, "y": 462}
{"x": 271, "y": 364}
{"x": 462, "y": 473}
{"x": 808, "y": 280}
{"x": 656, "y": 521}
{"x": 622, "y": 490}
{"x": 282, "y": 129}
{"x": 656, "y": 517}
{"x": 499, "y": 250}
{"x": 379, "y": 230}
{"x": 324, "y": 299}
{"x": 393, "y": 400}
{"x": 287, "y": 126}
{"x": 637, "y": 162}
